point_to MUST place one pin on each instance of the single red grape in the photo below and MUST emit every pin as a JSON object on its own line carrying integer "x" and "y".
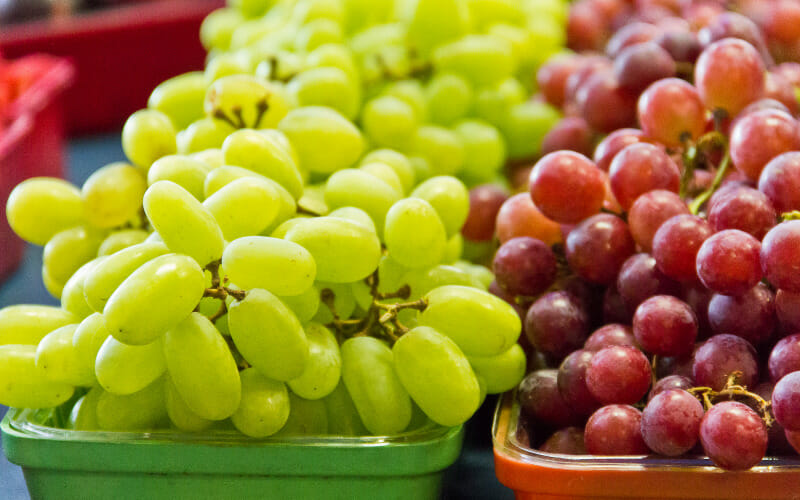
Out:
{"x": 729, "y": 75}
{"x": 670, "y": 110}
{"x": 567, "y": 187}
{"x": 671, "y": 422}
{"x": 618, "y": 374}
{"x": 640, "y": 168}
{"x": 721, "y": 356}
{"x": 733, "y": 436}
{"x": 676, "y": 243}
{"x": 728, "y": 262}
{"x": 665, "y": 325}
{"x": 615, "y": 430}
{"x": 780, "y": 256}
{"x": 524, "y": 266}
{"x": 518, "y": 216}
{"x": 649, "y": 211}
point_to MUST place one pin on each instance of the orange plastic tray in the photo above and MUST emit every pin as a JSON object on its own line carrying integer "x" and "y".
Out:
{"x": 546, "y": 476}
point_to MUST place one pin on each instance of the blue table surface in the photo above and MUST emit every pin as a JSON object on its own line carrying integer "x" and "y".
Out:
{"x": 471, "y": 477}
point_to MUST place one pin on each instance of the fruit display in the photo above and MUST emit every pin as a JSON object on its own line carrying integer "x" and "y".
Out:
{"x": 281, "y": 253}
{"x": 652, "y": 255}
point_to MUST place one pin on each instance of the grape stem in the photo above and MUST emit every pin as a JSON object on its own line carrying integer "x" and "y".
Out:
{"x": 709, "y": 396}
{"x": 722, "y": 171}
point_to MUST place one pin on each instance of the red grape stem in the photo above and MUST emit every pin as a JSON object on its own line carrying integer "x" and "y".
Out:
{"x": 709, "y": 396}
{"x": 684, "y": 69}
{"x": 722, "y": 171}
{"x": 689, "y": 165}
{"x": 793, "y": 215}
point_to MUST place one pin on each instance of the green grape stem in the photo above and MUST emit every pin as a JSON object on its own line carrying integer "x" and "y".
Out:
{"x": 793, "y": 215}
{"x": 719, "y": 140}
{"x": 709, "y": 396}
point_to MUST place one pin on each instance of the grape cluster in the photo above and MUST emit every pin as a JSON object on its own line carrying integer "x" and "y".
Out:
{"x": 281, "y": 254}
{"x": 656, "y": 268}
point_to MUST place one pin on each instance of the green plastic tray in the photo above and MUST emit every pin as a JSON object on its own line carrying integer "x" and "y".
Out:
{"x": 65, "y": 464}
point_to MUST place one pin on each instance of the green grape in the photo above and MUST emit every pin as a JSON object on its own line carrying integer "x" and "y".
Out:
{"x": 482, "y": 59}
{"x": 479, "y": 251}
{"x": 40, "y": 207}
{"x": 73, "y": 298}
{"x": 358, "y": 188}
{"x": 333, "y": 243}
{"x": 143, "y": 410}
{"x": 437, "y": 375}
{"x": 304, "y": 305}
{"x": 89, "y": 336}
{"x": 501, "y": 372}
{"x": 245, "y": 102}
{"x": 343, "y": 419}
{"x": 326, "y": 86}
{"x": 220, "y": 65}
{"x": 180, "y": 98}
{"x": 27, "y": 324}
{"x": 449, "y": 98}
{"x": 525, "y": 127}
{"x": 251, "y": 8}
{"x": 424, "y": 280}
{"x": 412, "y": 92}
{"x": 389, "y": 122}
{"x": 202, "y": 368}
{"x": 280, "y": 266}
{"x": 213, "y": 157}
{"x": 184, "y": 224}
{"x": 372, "y": 38}
{"x": 355, "y": 215}
{"x": 453, "y": 249}
{"x": 523, "y": 45}
{"x": 154, "y": 298}
{"x": 202, "y": 134}
{"x": 333, "y": 55}
{"x": 187, "y": 172}
{"x": 325, "y": 141}
{"x": 422, "y": 167}
{"x": 362, "y": 293}
{"x": 449, "y": 197}
{"x": 261, "y": 153}
{"x": 313, "y": 200}
{"x": 369, "y": 374}
{"x": 280, "y": 65}
{"x": 316, "y": 33}
{"x": 397, "y": 161}
{"x": 147, "y": 135}
{"x": 433, "y": 22}
{"x": 179, "y": 412}
{"x": 493, "y": 103}
{"x": 391, "y": 275}
{"x": 119, "y": 240}
{"x": 483, "y": 275}
{"x": 52, "y": 286}
{"x": 104, "y": 278}
{"x": 268, "y": 335}
{"x": 217, "y": 27}
{"x": 480, "y": 323}
{"x": 547, "y": 35}
{"x": 484, "y": 148}
{"x": 112, "y": 195}
{"x": 125, "y": 369}
{"x": 281, "y": 140}
{"x": 24, "y": 385}
{"x": 343, "y": 301}
{"x": 386, "y": 63}
{"x": 441, "y": 147}
{"x": 83, "y": 416}
{"x": 68, "y": 250}
{"x": 57, "y": 361}
{"x": 414, "y": 233}
{"x": 306, "y": 418}
{"x": 488, "y": 12}
{"x": 324, "y": 366}
{"x": 280, "y": 231}
{"x": 244, "y": 207}
{"x": 265, "y": 406}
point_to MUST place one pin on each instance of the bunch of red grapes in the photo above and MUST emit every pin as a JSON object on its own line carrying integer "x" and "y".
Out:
{"x": 657, "y": 271}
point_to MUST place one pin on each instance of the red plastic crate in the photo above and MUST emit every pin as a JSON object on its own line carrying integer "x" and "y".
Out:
{"x": 31, "y": 146}
{"x": 120, "y": 53}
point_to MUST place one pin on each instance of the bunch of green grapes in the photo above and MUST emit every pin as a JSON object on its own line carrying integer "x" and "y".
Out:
{"x": 281, "y": 254}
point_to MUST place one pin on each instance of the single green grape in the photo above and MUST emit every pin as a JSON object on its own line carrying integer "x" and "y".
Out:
{"x": 244, "y": 207}
{"x": 316, "y": 33}
{"x": 56, "y": 358}
{"x": 179, "y": 412}
{"x": 104, "y": 278}
{"x": 180, "y": 98}
{"x": 26, "y": 386}
{"x": 369, "y": 374}
{"x": 483, "y": 275}
{"x": 482, "y": 59}
{"x": 264, "y": 407}
{"x": 449, "y": 197}
{"x": 221, "y": 65}
{"x": 119, "y": 240}
{"x": 143, "y": 410}
{"x": 203, "y": 134}
{"x": 202, "y": 368}
{"x": 431, "y": 23}
{"x": 343, "y": 418}
{"x": 184, "y": 224}
{"x": 185, "y": 171}
{"x": 280, "y": 266}
{"x": 485, "y": 13}
{"x": 325, "y": 141}
{"x": 326, "y": 86}
{"x": 306, "y": 418}
{"x": 343, "y": 301}
{"x": 324, "y": 366}
{"x": 501, "y": 372}
{"x": 268, "y": 335}
{"x": 40, "y": 207}
{"x": 154, "y": 298}
{"x": 73, "y": 298}
{"x": 28, "y": 323}
{"x": 414, "y": 234}
{"x": 449, "y": 98}
{"x": 245, "y": 101}
{"x": 493, "y": 103}
{"x": 480, "y": 323}
{"x": 113, "y": 194}
{"x": 147, "y": 135}
{"x": 390, "y": 274}
{"x": 333, "y": 55}
{"x": 441, "y": 147}
{"x": 304, "y": 305}
{"x": 217, "y": 27}
{"x": 358, "y": 188}
{"x": 68, "y": 250}
{"x": 83, "y": 416}
{"x": 389, "y": 122}
{"x": 525, "y": 127}
{"x": 397, "y": 161}
{"x": 333, "y": 242}
{"x": 424, "y": 280}
{"x": 412, "y": 93}
{"x": 354, "y": 214}
{"x": 125, "y": 369}
{"x": 437, "y": 375}
{"x": 213, "y": 157}
{"x": 453, "y": 249}
{"x": 89, "y": 336}
{"x": 485, "y": 151}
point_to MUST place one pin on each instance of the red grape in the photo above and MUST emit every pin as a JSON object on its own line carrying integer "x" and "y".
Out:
{"x": 639, "y": 65}
{"x": 567, "y": 187}
{"x": 571, "y": 133}
{"x": 669, "y": 382}
{"x": 608, "y": 335}
{"x": 676, "y": 243}
{"x": 557, "y": 324}
{"x": 615, "y": 430}
{"x": 780, "y": 181}
{"x": 779, "y": 88}
{"x": 787, "y": 307}
{"x": 649, "y": 211}
{"x": 786, "y": 401}
{"x": 780, "y": 256}
{"x": 640, "y": 168}
{"x": 729, "y": 75}
{"x": 618, "y": 374}
{"x": 572, "y": 382}
{"x": 721, "y": 356}
{"x": 728, "y": 262}
{"x": 640, "y": 279}
{"x": 540, "y": 400}
{"x": 613, "y": 143}
{"x": 670, "y": 110}
{"x": 568, "y": 441}
{"x": 734, "y": 25}
{"x": 597, "y": 247}
{"x": 784, "y": 357}
{"x": 665, "y": 326}
{"x": 745, "y": 208}
{"x": 518, "y": 216}
{"x": 552, "y": 77}
{"x": 671, "y": 422}
{"x": 682, "y": 45}
{"x": 604, "y": 104}
{"x": 484, "y": 204}
{"x": 524, "y": 266}
{"x": 750, "y": 315}
{"x": 759, "y": 137}
{"x": 733, "y": 436}
{"x": 629, "y": 35}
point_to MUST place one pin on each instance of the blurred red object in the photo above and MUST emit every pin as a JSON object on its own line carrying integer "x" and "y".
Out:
{"x": 31, "y": 138}
{"x": 120, "y": 54}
